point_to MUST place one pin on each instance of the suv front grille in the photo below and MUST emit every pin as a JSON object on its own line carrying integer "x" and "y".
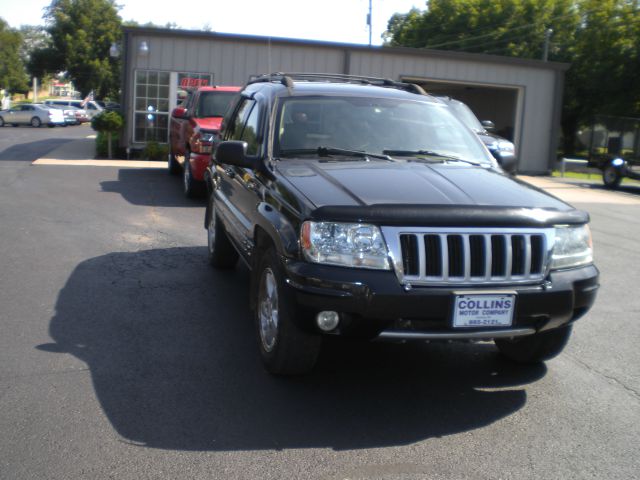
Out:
{"x": 440, "y": 256}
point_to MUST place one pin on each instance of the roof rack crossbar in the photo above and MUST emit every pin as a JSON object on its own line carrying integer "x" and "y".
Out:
{"x": 287, "y": 79}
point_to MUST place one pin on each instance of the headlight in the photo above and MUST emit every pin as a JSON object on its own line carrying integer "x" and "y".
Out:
{"x": 345, "y": 244}
{"x": 505, "y": 146}
{"x": 202, "y": 142}
{"x": 572, "y": 247}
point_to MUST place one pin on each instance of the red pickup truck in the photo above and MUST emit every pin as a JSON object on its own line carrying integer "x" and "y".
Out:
{"x": 193, "y": 130}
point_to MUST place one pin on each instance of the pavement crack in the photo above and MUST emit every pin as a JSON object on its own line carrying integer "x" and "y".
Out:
{"x": 611, "y": 378}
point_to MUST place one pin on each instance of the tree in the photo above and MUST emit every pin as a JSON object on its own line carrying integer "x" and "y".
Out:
{"x": 504, "y": 27}
{"x": 13, "y": 76}
{"x": 605, "y": 65}
{"x": 82, "y": 31}
{"x": 600, "y": 38}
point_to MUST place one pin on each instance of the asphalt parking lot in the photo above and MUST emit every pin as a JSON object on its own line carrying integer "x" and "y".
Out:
{"x": 124, "y": 355}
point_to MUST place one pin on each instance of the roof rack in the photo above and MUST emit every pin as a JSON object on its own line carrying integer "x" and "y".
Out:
{"x": 288, "y": 79}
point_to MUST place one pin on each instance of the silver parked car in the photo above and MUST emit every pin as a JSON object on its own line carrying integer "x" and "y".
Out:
{"x": 33, "y": 114}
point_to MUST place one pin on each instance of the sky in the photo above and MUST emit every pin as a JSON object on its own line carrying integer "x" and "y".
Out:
{"x": 342, "y": 21}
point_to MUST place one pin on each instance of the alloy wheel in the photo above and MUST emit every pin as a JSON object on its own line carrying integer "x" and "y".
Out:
{"x": 268, "y": 309}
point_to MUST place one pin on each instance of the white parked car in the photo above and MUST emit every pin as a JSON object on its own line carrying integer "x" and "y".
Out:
{"x": 91, "y": 107}
{"x": 33, "y": 114}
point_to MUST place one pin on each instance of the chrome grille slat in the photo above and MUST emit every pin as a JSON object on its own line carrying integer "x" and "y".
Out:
{"x": 466, "y": 255}
{"x": 508, "y": 257}
{"x": 444, "y": 253}
{"x": 527, "y": 256}
{"x": 480, "y": 256}
{"x": 488, "y": 257}
{"x": 422, "y": 255}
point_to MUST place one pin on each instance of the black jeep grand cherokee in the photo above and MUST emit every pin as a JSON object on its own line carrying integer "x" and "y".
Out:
{"x": 364, "y": 208}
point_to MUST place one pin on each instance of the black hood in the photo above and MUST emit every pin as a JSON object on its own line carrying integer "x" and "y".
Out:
{"x": 379, "y": 190}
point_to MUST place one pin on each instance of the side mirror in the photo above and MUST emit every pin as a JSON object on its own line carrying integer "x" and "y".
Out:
{"x": 234, "y": 152}
{"x": 488, "y": 124}
{"x": 179, "y": 112}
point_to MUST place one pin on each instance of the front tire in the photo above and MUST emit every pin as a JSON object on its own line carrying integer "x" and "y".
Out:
{"x": 535, "y": 348}
{"x": 611, "y": 176}
{"x": 172, "y": 164}
{"x": 190, "y": 185}
{"x": 284, "y": 348}
{"x": 36, "y": 122}
{"x": 221, "y": 251}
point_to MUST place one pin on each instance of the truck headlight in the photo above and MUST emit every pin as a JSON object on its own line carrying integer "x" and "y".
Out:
{"x": 572, "y": 247}
{"x": 344, "y": 244}
{"x": 505, "y": 146}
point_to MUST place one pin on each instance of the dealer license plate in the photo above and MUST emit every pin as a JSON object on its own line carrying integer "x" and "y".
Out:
{"x": 483, "y": 310}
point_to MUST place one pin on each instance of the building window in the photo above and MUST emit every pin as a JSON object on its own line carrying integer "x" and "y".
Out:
{"x": 151, "y": 106}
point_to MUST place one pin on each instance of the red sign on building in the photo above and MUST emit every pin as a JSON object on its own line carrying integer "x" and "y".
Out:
{"x": 188, "y": 82}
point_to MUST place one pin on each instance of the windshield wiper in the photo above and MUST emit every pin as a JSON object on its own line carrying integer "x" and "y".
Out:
{"x": 429, "y": 153}
{"x": 329, "y": 151}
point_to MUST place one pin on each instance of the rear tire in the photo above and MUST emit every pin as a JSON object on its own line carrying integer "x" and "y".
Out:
{"x": 611, "y": 176}
{"x": 535, "y": 348}
{"x": 36, "y": 122}
{"x": 221, "y": 252}
{"x": 1, "y": 122}
{"x": 284, "y": 348}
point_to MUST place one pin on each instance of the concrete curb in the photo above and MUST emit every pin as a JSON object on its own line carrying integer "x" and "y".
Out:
{"x": 81, "y": 152}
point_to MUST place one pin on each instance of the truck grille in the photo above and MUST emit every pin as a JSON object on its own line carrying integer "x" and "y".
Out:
{"x": 465, "y": 257}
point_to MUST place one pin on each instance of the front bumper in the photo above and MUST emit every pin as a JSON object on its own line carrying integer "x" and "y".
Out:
{"x": 199, "y": 163}
{"x": 372, "y": 303}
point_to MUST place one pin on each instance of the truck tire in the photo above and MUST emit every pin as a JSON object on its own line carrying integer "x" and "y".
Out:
{"x": 611, "y": 176}
{"x": 191, "y": 187}
{"x": 284, "y": 348}
{"x": 535, "y": 348}
{"x": 221, "y": 251}
{"x": 172, "y": 164}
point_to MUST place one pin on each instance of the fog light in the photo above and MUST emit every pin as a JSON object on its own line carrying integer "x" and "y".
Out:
{"x": 327, "y": 320}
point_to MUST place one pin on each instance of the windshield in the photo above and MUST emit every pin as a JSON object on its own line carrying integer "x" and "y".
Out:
{"x": 374, "y": 125}
{"x": 466, "y": 116}
{"x": 213, "y": 104}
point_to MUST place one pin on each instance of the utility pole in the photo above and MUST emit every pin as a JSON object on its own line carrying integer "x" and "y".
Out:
{"x": 547, "y": 37}
{"x": 35, "y": 90}
{"x": 369, "y": 22}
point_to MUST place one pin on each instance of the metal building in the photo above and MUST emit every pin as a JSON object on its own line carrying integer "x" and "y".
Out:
{"x": 522, "y": 97}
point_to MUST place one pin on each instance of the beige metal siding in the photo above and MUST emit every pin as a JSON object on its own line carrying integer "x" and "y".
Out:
{"x": 233, "y": 60}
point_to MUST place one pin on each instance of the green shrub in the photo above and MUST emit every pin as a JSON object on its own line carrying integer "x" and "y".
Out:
{"x": 155, "y": 151}
{"x": 109, "y": 123}
{"x": 102, "y": 146}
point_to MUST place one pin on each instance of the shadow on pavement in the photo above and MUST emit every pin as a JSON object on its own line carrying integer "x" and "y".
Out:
{"x": 32, "y": 151}
{"x": 150, "y": 187}
{"x": 172, "y": 354}
{"x": 632, "y": 189}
